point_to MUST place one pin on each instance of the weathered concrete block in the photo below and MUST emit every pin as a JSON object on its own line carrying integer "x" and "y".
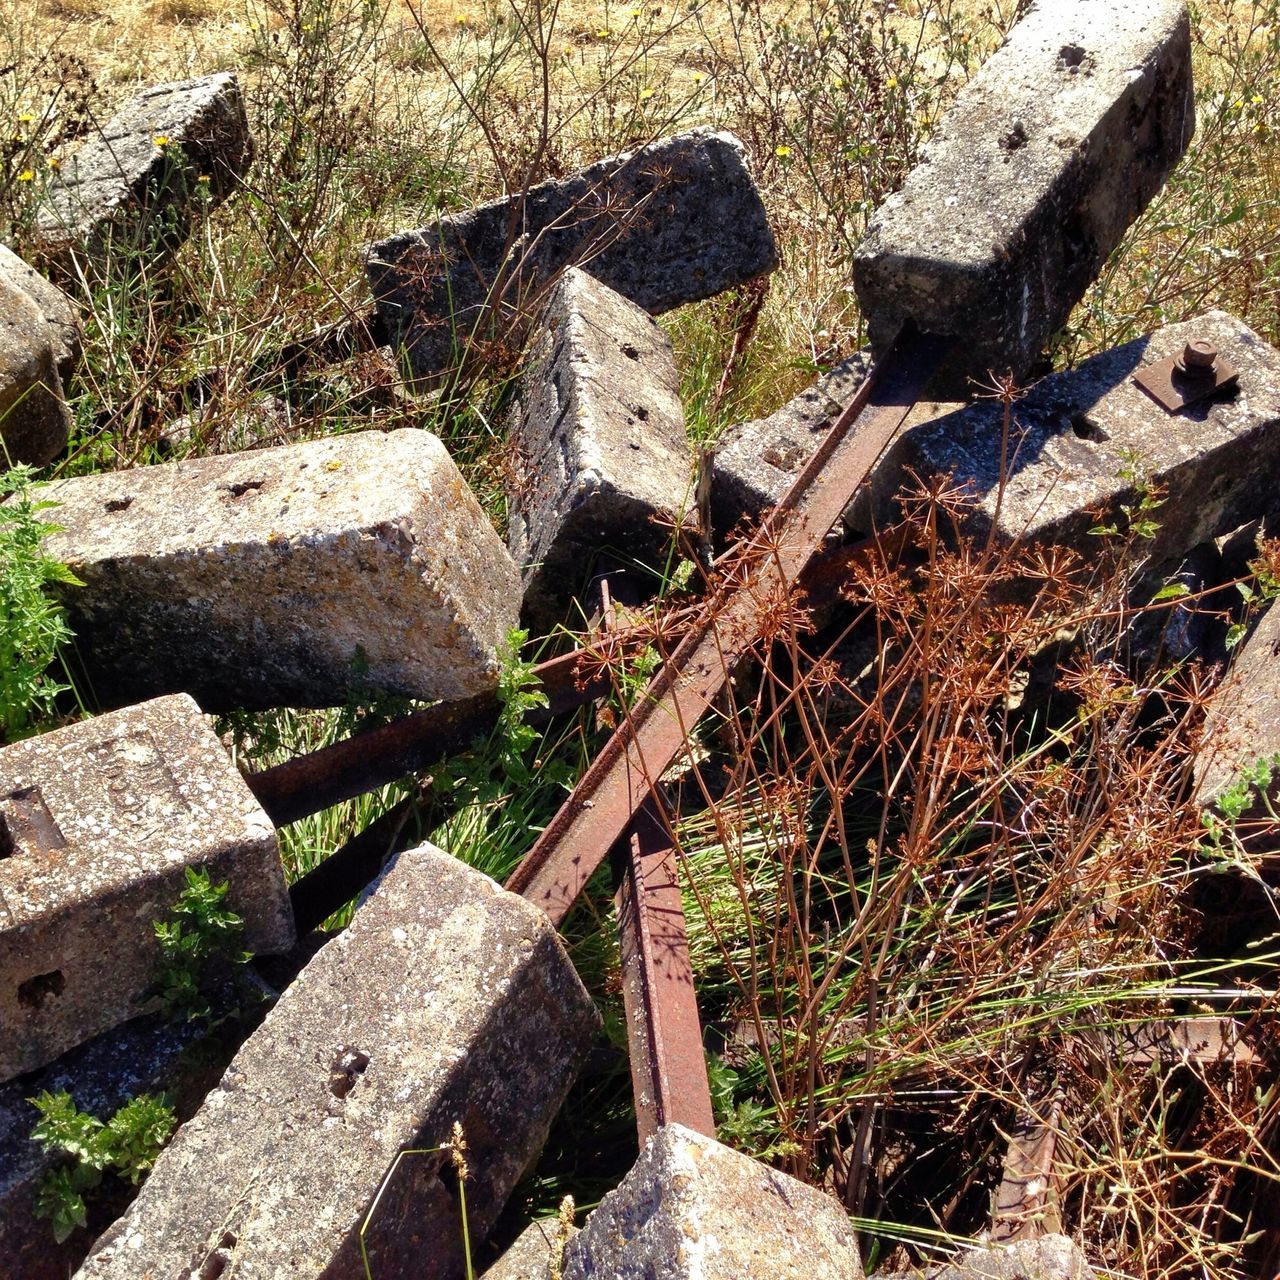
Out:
{"x": 98, "y": 823}
{"x": 532, "y": 1253}
{"x": 599, "y": 431}
{"x": 301, "y": 575}
{"x": 447, "y": 1000}
{"x": 1078, "y": 436}
{"x": 34, "y": 418}
{"x": 1242, "y": 724}
{"x": 60, "y": 313}
{"x": 1046, "y": 157}
{"x": 139, "y": 180}
{"x": 756, "y": 462}
{"x": 691, "y": 1207}
{"x": 1051, "y": 1257}
{"x": 673, "y": 222}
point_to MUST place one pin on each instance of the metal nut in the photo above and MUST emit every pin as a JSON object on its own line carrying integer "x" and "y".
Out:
{"x": 1198, "y": 358}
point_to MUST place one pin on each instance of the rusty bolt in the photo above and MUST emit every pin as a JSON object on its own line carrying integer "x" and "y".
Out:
{"x": 1198, "y": 358}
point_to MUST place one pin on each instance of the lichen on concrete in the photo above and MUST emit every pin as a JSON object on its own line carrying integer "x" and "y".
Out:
{"x": 1045, "y": 158}
{"x": 604, "y": 464}
{"x": 693, "y": 1209}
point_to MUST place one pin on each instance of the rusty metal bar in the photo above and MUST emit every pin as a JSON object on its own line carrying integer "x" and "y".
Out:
{"x": 586, "y": 827}
{"x": 1026, "y": 1200}
{"x": 369, "y": 760}
{"x": 664, "y": 1034}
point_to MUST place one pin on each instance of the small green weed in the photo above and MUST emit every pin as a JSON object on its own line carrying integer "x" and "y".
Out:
{"x": 32, "y": 626}
{"x": 125, "y": 1145}
{"x": 202, "y": 930}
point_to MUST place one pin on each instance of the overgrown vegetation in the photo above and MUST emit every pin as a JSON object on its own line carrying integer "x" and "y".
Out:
{"x": 32, "y": 626}
{"x": 936, "y": 873}
{"x": 125, "y": 1145}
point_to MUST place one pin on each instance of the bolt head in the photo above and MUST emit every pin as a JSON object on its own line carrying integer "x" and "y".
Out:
{"x": 1198, "y": 357}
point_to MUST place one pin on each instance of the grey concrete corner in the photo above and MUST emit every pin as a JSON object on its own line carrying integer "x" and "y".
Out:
{"x": 692, "y": 1208}
{"x": 304, "y": 575}
{"x": 1242, "y": 723}
{"x": 448, "y": 1000}
{"x": 34, "y": 418}
{"x": 66, "y": 334}
{"x": 536, "y": 1253}
{"x": 138, "y": 182}
{"x": 1051, "y": 1257}
{"x": 603, "y": 463}
{"x": 755, "y": 463}
{"x": 673, "y": 222}
{"x": 1080, "y": 441}
{"x": 1048, "y": 154}
{"x": 98, "y": 824}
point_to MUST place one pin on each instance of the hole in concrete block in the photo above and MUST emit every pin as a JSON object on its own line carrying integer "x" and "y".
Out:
{"x": 1015, "y": 137}
{"x": 1071, "y": 55}
{"x": 33, "y": 993}
{"x": 642, "y": 413}
{"x": 1086, "y": 429}
{"x": 118, "y": 504}
{"x": 347, "y": 1068}
{"x": 629, "y": 351}
{"x": 26, "y": 825}
{"x": 245, "y": 486}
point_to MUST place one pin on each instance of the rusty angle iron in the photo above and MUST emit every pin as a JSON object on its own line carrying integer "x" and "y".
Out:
{"x": 592, "y": 820}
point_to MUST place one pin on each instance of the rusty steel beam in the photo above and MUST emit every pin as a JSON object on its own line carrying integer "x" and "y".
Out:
{"x": 664, "y": 1034}
{"x": 370, "y": 760}
{"x": 580, "y": 836}
{"x": 1026, "y": 1200}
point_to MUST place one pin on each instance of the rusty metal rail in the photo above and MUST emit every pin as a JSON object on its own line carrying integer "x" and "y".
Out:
{"x": 369, "y": 760}
{"x": 664, "y": 1034}
{"x": 587, "y": 826}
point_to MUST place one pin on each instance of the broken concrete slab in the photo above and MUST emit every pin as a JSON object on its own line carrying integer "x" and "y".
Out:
{"x": 448, "y": 1000}
{"x": 691, "y": 1207}
{"x": 1242, "y": 722}
{"x": 1047, "y": 156}
{"x": 670, "y": 223}
{"x": 98, "y": 824}
{"x": 756, "y": 462}
{"x": 601, "y": 445}
{"x": 34, "y": 418}
{"x": 307, "y": 575}
{"x": 1051, "y": 1257}
{"x": 60, "y": 313}
{"x": 1081, "y": 440}
{"x": 138, "y": 183}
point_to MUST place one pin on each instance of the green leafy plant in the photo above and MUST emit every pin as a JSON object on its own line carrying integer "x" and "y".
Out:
{"x": 32, "y": 626}
{"x": 200, "y": 931}
{"x": 126, "y": 1145}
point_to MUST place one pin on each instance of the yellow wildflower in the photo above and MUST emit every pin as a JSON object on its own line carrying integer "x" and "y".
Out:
{"x": 783, "y": 151}
{"x": 27, "y": 175}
